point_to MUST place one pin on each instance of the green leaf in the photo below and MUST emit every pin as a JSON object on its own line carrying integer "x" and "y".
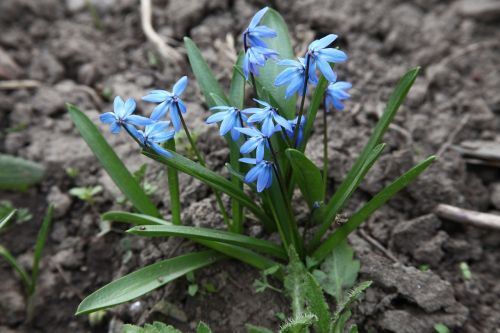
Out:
{"x": 369, "y": 208}
{"x": 5, "y": 220}
{"x": 316, "y": 100}
{"x": 294, "y": 283}
{"x": 133, "y": 218}
{"x": 339, "y": 271}
{"x": 233, "y": 251}
{"x": 145, "y": 280}
{"x": 353, "y": 329}
{"x": 173, "y": 188}
{"x": 25, "y": 278}
{"x": 299, "y": 324}
{"x": 40, "y": 244}
{"x": 351, "y": 297}
{"x": 112, "y": 163}
{"x": 317, "y": 304}
{"x": 268, "y": 73}
{"x": 441, "y": 328}
{"x": 257, "y": 329}
{"x": 203, "y": 328}
{"x": 19, "y": 174}
{"x": 308, "y": 177}
{"x": 237, "y": 88}
{"x": 343, "y": 193}
{"x": 222, "y": 236}
{"x": 156, "y": 327}
{"x": 209, "y": 177}
{"x": 204, "y": 76}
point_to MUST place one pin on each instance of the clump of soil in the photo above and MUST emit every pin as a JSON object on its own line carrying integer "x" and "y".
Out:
{"x": 84, "y": 59}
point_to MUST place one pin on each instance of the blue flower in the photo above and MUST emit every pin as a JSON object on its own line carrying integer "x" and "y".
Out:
{"x": 335, "y": 94}
{"x": 122, "y": 116}
{"x": 154, "y": 135}
{"x": 322, "y": 56}
{"x": 268, "y": 116}
{"x": 256, "y": 140}
{"x": 167, "y": 101}
{"x": 231, "y": 117}
{"x": 294, "y": 76}
{"x": 300, "y": 135}
{"x": 252, "y": 36}
{"x": 262, "y": 172}
{"x": 255, "y": 57}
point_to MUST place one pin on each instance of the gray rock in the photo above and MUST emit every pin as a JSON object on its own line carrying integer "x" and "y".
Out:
{"x": 431, "y": 252}
{"x": 409, "y": 235}
{"x": 61, "y": 201}
{"x": 9, "y": 69}
{"x": 479, "y": 9}
{"x": 45, "y": 67}
{"x": 12, "y": 302}
{"x": 68, "y": 258}
{"x": 425, "y": 289}
{"x": 48, "y": 101}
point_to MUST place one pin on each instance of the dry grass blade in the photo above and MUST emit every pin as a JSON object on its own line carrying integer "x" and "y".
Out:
{"x": 468, "y": 217}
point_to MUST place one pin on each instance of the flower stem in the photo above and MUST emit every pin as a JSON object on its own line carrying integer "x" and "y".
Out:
{"x": 325, "y": 150}
{"x": 301, "y": 110}
{"x": 201, "y": 160}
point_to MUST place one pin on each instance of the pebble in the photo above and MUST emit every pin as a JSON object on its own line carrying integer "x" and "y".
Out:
{"x": 495, "y": 195}
{"x": 479, "y": 9}
{"x": 61, "y": 201}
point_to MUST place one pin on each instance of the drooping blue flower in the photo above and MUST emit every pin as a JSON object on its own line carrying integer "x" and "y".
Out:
{"x": 256, "y": 140}
{"x": 322, "y": 56}
{"x": 300, "y": 134}
{"x": 294, "y": 76}
{"x": 154, "y": 135}
{"x": 335, "y": 94}
{"x": 231, "y": 117}
{"x": 262, "y": 172}
{"x": 255, "y": 57}
{"x": 252, "y": 36}
{"x": 122, "y": 116}
{"x": 169, "y": 101}
{"x": 268, "y": 116}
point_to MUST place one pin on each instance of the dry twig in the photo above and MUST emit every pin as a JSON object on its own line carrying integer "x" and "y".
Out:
{"x": 372, "y": 241}
{"x": 468, "y": 217}
{"x": 453, "y": 135}
{"x": 165, "y": 50}
{"x": 18, "y": 84}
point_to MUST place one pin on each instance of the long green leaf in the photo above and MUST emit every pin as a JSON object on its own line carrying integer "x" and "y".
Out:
{"x": 211, "y": 234}
{"x": 17, "y": 267}
{"x": 317, "y": 304}
{"x": 371, "y": 206}
{"x": 133, "y": 218}
{"x": 204, "y": 76}
{"x": 268, "y": 73}
{"x": 40, "y": 244}
{"x": 173, "y": 188}
{"x": 308, "y": 177}
{"x": 19, "y": 174}
{"x": 5, "y": 220}
{"x": 237, "y": 252}
{"x": 111, "y": 162}
{"x": 316, "y": 99}
{"x": 209, "y": 177}
{"x": 343, "y": 193}
{"x": 145, "y": 280}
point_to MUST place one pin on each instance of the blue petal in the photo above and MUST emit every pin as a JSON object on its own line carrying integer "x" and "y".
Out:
{"x": 253, "y": 173}
{"x": 326, "y": 70}
{"x": 157, "y": 96}
{"x": 250, "y": 131}
{"x": 262, "y": 180}
{"x": 235, "y": 135}
{"x": 118, "y": 107}
{"x": 107, "y": 118}
{"x": 180, "y": 104}
{"x": 138, "y": 120}
{"x": 246, "y": 65}
{"x": 228, "y": 123}
{"x": 282, "y": 122}
{"x": 259, "y": 154}
{"x": 264, "y": 32}
{"x": 257, "y": 17}
{"x": 160, "y": 110}
{"x": 129, "y": 106}
{"x": 216, "y": 117}
{"x": 162, "y": 137}
{"x": 323, "y": 42}
{"x": 258, "y": 117}
{"x": 115, "y": 128}
{"x": 176, "y": 120}
{"x": 249, "y": 145}
{"x": 248, "y": 160}
{"x": 160, "y": 150}
{"x": 157, "y": 127}
{"x": 267, "y": 127}
{"x": 286, "y": 76}
{"x": 180, "y": 85}
{"x": 333, "y": 55}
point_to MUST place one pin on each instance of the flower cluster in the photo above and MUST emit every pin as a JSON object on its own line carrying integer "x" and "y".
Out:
{"x": 257, "y": 124}
{"x": 156, "y": 131}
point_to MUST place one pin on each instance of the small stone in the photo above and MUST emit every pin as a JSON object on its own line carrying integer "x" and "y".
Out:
{"x": 68, "y": 258}
{"x": 9, "y": 69}
{"x": 409, "y": 235}
{"x": 48, "y": 101}
{"x": 61, "y": 201}
{"x": 431, "y": 252}
{"x": 479, "y": 9}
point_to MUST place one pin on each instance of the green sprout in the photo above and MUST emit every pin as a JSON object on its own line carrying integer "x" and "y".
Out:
{"x": 87, "y": 193}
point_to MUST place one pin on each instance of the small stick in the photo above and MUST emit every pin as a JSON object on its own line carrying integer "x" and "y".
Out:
{"x": 468, "y": 217}
{"x": 18, "y": 84}
{"x": 377, "y": 245}
{"x": 453, "y": 135}
{"x": 165, "y": 50}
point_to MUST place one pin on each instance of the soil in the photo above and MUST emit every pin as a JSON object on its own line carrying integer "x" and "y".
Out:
{"x": 81, "y": 57}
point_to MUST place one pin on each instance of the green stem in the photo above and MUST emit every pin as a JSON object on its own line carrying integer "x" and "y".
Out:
{"x": 301, "y": 110}
{"x": 173, "y": 188}
{"x": 201, "y": 160}
{"x": 325, "y": 151}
